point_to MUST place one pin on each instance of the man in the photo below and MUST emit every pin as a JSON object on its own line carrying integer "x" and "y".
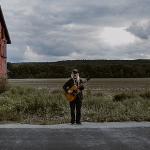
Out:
{"x": 77, "y": 102}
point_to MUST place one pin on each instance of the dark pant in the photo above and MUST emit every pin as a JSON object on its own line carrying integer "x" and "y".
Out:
{"x": 76, "y": 103}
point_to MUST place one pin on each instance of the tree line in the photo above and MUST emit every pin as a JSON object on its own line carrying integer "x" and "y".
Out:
{"x": 101, "y": 62}
{"x": 51, "y": 70}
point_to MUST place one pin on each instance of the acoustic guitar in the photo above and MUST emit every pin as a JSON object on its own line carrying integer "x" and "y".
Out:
{"x": 75, "y": 91}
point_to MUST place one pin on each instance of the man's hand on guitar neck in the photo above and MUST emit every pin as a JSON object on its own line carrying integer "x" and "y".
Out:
{"x": 81, "y": 85}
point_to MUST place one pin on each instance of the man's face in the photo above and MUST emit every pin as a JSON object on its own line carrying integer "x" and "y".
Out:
{"x": 75, "y": 75}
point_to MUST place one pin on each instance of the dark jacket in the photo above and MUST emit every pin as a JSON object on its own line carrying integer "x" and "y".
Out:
{"x": 70, "y": 83}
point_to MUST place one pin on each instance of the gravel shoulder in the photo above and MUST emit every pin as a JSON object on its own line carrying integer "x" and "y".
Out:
{"x": 84, "y": 125}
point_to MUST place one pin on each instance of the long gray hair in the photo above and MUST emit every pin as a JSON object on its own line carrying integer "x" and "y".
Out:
{"x": 78, "y": 78}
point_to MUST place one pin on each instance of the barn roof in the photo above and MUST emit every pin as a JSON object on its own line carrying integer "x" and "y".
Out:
{"x": 4, "y": 26}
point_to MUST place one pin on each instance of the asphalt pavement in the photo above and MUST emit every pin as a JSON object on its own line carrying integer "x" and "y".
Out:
{"x": 88, "y": 136}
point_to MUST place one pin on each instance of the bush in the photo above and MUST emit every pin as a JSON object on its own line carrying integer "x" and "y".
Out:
{"x": 32, "y": 106}
{"x": 123, "y": 96}
{"x": 145, "y": 94}
{"x": 98, "y": 94}
{"x": 3, "y": 84}
{"x": 21, "y": 103}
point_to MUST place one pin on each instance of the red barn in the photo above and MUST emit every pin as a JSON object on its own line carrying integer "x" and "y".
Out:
{"x": 4, "y": 40}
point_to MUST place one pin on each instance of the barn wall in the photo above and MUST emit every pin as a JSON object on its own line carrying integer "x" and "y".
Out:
{"x": 3, "y": 53}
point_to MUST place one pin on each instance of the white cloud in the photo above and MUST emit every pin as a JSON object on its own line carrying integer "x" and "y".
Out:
{"x": 116, "y": 36}
{"x": 31, "y": 56}
{"x": 57, "y": 30}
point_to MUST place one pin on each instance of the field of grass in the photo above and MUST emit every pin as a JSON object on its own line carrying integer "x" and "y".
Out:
{"x": 42, "y": 101}
{"x": 108, "y": 86}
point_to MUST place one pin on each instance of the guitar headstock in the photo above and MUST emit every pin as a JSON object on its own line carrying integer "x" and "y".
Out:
{"x": 88, "y": 78}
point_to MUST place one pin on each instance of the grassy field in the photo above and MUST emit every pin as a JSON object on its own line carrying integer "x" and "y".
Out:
{"x": 108, "y": 86}
{"x": 42, "y": 101}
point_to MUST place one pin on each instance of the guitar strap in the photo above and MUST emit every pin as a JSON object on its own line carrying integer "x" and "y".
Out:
{"x": 74, "y": 81}
{"x": 78, "y": 82}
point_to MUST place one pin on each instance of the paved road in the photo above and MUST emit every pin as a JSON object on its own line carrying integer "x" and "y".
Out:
{"x": 89, "y": 136}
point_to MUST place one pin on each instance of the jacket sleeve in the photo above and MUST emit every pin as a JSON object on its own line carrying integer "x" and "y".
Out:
{"x": 66, "y": 85}
{"x": 81, "y": 87}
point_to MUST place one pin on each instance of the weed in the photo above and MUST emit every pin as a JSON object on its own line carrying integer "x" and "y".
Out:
{"x": 29, "y": 105}
{"x": 3, "y": 84}
{"x": 123, "y": 96}
{"x": 145, "y": 94}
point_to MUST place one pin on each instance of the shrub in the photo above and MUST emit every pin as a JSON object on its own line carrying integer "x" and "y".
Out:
{"x": 21, "y": 103}
{"x": 98, "y": 94}
{"x": 29, "y": 105}
{"x": 123, "y": 96}
{"x": 145, "y": 94}
{"x": 3, "y": 84}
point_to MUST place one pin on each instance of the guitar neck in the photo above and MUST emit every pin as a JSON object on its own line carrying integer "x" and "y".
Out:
{"x": 79, "y": 85}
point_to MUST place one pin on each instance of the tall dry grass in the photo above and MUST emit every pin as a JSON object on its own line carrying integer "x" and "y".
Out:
{"x": 24, "y": 104}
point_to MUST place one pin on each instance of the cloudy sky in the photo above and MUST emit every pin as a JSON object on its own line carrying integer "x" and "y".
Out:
{"x": 53, "y": 30}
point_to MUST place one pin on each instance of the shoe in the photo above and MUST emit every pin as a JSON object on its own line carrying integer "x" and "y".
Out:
{"x": 72, "y": 123}
{"x": 79, "y": 123}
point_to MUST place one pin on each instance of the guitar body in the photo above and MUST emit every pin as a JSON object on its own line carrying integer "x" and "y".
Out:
{"x": 71, "y": 97}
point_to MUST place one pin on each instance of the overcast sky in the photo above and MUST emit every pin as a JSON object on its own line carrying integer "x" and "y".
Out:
{"x": 53, "y": 30}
